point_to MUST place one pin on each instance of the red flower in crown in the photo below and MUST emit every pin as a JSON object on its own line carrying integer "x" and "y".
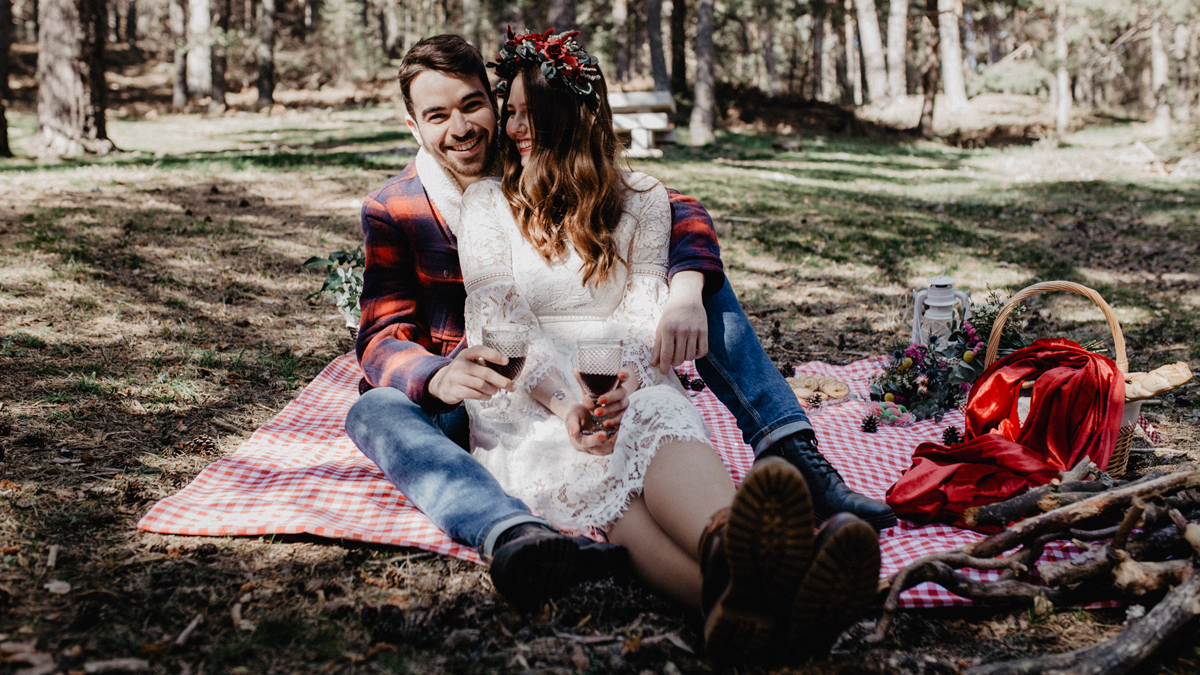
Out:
{"x": 563, "y": 62}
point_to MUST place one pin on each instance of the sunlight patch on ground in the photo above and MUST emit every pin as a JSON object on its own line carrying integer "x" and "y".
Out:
{"x": 970, "y": 272}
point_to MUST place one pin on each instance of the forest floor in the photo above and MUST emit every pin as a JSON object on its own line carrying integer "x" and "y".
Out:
{"x": 149, "y": 295}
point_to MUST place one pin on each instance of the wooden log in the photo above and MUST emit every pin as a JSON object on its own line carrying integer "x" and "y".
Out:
{"x": 1121, "y": 654}
{"x": 1139, "y": 580}
{"x": 1064, "y": 518}
{"x": 1057, "y": 501}
{"x": 1005, "y": 512}
{"x": 1093, "y": 562}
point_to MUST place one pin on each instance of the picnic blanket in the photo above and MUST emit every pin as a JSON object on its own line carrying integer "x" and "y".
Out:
{"x": 300, "y": 473}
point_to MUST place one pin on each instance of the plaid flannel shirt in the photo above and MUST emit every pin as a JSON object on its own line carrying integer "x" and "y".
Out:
{"x": 413, "y": 294}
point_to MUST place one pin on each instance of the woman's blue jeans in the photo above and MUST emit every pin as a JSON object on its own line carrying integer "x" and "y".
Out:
{"x": 426, "y": 457}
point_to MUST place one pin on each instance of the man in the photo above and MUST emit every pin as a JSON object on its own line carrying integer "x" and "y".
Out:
{"x": 410, "y": 345}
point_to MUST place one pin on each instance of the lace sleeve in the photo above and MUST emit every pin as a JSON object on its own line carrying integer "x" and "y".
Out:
{"x": 637, "y": 317}
{"x": 485, "y": 253}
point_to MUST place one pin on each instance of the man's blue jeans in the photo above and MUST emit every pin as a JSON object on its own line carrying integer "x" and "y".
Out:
{"x": 426, "y": 457}
{"x": 742, "y": 376}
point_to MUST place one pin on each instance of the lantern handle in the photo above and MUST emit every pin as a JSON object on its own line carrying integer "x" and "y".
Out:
{"x": 918, "y": 302}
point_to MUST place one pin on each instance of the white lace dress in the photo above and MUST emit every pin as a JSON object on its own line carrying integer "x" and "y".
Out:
{"x": 508, "y": 282}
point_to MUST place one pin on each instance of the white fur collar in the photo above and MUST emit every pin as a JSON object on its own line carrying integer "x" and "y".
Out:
{"x": 443, "y": 190}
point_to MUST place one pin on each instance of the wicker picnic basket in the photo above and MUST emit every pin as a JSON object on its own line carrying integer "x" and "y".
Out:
{"x": 1120, "y": 457}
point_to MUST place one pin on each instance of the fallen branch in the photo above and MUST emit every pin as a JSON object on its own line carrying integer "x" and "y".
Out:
{"x": 1122, "y": 653}
{"x": 1063, "y": 519}
{"x": 222, "y": 424}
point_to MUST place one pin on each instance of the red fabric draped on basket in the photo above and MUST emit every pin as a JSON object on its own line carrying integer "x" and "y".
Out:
{"x": 1075, "y": 411}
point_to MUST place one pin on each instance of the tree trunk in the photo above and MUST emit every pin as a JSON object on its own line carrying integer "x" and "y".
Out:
{"x": 872, "y": 50}
{"x": 658, "y": 60}
{"x": 131, "y": 23}
{"x": 1158, "y": 77}
{"x": 897, "y": 44}
{"x": 701, "y": 128}
{"x": 679, "y": 46}
{"x": 265, "y": 54}
{"x": 1183, "y": 87}
{"x": 4, "y": 150}
{"x": 950, "y": 42}
{"x": 817, "y": 39}
{"x": 853, "y": 67}
{"x": 71, "y": 88}
{"x": 470, "y": 26}
{"x": 178, "y": 21}
{"x": 929, "y": 70}
{"x": 1062, "y": 77}
{"x": 767, "y": 31}
{"x": 829, "y": 61}
{"x": 199, "y": 55}
{"x": 6, "y": 39}
{"x": 220, "y": 22}
{"x": 620, "y": 18}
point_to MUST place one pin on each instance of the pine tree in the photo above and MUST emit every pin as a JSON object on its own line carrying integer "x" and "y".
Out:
{"x": 71, "y": 88}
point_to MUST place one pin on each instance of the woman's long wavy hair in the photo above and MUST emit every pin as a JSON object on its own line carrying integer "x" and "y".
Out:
{"x": 572, "y": 191}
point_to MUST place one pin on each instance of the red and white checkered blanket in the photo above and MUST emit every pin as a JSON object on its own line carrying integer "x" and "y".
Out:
{"x": 301, "y": 474}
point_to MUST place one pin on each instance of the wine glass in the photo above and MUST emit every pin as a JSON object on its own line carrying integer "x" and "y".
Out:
{"x": 599, "y": 364}
{"x": 511, "y": 340}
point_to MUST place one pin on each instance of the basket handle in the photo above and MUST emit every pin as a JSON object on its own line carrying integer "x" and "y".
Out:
{"x": 1113, "y": 325}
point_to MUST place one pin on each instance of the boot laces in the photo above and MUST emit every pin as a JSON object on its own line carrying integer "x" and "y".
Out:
{"x": 813, "y": 458}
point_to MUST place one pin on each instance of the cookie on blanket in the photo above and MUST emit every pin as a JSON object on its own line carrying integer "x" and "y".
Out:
{"x": 834, "y": 388}
{"x": 801, "y": 391}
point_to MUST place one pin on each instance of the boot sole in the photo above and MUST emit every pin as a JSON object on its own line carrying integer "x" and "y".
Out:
{"x": 837, "y": 591}
{"x": 768, "y": 545}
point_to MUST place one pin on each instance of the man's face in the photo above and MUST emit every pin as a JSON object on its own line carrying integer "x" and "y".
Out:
{"x": 454, "y": 121}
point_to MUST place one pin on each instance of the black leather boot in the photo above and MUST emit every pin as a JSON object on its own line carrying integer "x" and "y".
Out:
{"x": 830, "y": 494}
{"x": 533, "y": 563}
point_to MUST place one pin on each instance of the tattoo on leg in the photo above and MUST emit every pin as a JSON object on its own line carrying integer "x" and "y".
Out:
{"x": 559, "y": 395}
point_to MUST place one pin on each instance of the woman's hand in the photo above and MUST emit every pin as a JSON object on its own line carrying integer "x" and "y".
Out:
{"x": 611, "y": 406}
{"x": 578, "y": 419}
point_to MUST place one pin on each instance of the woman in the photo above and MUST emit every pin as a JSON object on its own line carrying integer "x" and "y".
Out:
{"x": 573, "y": 248}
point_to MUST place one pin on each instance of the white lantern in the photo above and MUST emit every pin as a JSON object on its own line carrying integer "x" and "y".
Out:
{"x": 933, "y": 309}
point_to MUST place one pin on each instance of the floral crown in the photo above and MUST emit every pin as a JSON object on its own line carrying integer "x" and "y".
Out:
{"x": 563, "y": 62}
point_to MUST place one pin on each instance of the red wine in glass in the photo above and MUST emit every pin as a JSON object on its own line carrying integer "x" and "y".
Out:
{"x": 598, "y": 384}
{"x": 511, "y": 340}
{"x": 598, "y": 363}
{"x": 511, "y": 370}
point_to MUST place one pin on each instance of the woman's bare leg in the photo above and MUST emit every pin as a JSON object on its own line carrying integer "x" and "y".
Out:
{"x": 685, "y": 485}
{"x": 657, "y": 559}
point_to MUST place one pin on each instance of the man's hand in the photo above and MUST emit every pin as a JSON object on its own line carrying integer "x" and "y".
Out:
{"x": 682, "y": 333}
{"x": 579, "y": 419}
{"x": 465, "y": 378}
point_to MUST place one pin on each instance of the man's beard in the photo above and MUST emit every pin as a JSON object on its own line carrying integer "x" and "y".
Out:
{"x": 474, "y": 169}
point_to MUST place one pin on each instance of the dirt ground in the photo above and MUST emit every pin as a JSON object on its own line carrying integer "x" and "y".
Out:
{"x": 152, "y": 305}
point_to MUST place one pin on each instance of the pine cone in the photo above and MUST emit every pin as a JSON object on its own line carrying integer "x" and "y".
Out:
{"x": 201, "y": 445}
{"x": 951, "y": 436}
{"x": 697, "y": 384}
{"x": 870, "y": 424}
{"x": 683, "y": 379}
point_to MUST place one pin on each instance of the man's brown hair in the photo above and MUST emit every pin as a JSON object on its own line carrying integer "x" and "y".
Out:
{"x": 443, "y": 53}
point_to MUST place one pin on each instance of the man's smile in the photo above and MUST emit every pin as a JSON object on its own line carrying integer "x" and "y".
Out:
{"x": 466, "y": 146}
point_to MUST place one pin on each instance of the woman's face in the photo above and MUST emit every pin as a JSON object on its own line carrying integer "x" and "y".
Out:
{"x": 517, "y": 127}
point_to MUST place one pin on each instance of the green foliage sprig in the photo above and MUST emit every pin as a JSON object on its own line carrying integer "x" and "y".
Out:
{"x": 344, "y": 282}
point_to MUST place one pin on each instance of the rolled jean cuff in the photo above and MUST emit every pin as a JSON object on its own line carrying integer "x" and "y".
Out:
{"x": 773, "y": 436}
{"x": 498, "y": 528}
